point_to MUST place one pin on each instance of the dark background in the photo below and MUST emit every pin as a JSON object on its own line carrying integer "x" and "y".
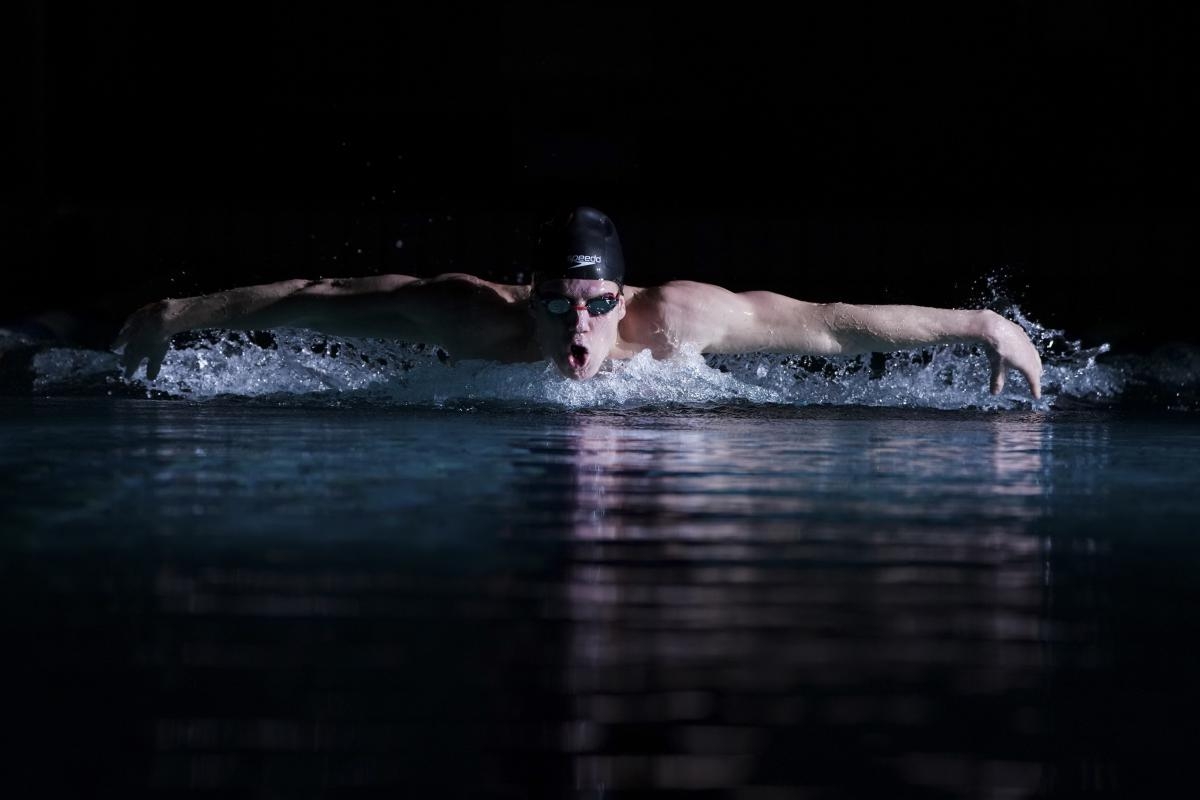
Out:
{"x": 863, "y": 153}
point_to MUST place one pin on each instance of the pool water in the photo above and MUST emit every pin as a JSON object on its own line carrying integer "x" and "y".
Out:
{"x": 298, "y": 567}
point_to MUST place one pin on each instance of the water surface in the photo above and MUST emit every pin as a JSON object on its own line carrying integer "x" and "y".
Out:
{"x": 493, "y": 599}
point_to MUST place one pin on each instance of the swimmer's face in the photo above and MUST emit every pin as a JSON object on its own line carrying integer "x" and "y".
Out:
{"x": 578, "y": 340}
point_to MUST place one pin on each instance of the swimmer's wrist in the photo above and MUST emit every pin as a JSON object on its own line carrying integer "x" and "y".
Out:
{"x": 984, "y": 324}
{"x": 182, "y": 314}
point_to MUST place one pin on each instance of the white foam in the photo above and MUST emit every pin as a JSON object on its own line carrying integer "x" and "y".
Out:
{"x": 306, "y": 365}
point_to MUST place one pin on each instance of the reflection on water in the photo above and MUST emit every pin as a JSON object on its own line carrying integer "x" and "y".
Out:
{"x": 738, "y": 603}
{"x": 731, "y": 630}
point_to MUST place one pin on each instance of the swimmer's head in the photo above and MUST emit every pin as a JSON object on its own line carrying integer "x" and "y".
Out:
{"x": 576, "y": 298}
{"x": 584, "y": 246}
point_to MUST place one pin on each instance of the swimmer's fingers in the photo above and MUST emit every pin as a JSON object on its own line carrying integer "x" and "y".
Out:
{"x": 1034, "y": 376}
{"x": 999, "y": 368}
{"x": 154, "y": 361}
{"x": 126, "y": 344}
{"x": 1010, "y": 348}
{"x": 145, "y": 336}
{"x": 152, "y": 353}
{"x": 122, "y": 346}
{"x": 1030, "y": 366}
{"x": 1025, "y": 359}
{"x": 131, "y": 358}
{"x": 1027, "y": 362}
{"x": 129, "y": 363}
{"x": 142, "y": 347}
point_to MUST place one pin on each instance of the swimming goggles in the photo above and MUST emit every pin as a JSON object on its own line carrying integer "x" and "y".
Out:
{"x": 596, "y": 306}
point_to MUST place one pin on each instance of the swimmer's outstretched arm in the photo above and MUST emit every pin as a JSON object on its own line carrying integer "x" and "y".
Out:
{"x": 388, "y": 306}
{"x": 723, "y": 322}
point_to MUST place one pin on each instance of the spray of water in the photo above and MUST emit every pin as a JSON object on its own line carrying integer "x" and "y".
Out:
{"x": 301, "y": 366}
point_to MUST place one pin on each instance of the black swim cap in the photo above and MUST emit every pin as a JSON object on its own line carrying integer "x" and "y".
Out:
{"x": 585, "y": 246}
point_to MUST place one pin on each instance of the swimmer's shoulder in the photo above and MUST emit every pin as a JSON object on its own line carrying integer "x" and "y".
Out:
{"x": 665, "y": 316}
{"x": 655, "y": 300}
{"x": 647, "y": 307}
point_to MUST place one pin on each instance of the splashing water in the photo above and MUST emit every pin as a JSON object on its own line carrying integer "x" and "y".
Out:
{"x": 301, "y": 366}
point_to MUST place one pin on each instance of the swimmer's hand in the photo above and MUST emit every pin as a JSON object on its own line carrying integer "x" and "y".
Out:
{"x": 146, "y": 336}
{"x": 1009, "y": 348}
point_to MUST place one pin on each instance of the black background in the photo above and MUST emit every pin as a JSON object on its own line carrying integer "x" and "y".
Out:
{"x": 868, "y": 153}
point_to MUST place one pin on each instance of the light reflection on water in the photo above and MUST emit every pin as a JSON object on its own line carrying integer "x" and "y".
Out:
{"x": 595, "y": 604}
{"x": 755, "y": 608}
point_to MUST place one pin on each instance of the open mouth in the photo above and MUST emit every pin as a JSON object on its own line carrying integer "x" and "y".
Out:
{"x": 578, "y": 356}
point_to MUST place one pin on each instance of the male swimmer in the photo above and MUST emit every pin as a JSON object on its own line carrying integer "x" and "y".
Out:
{"x": 577, "y": 313}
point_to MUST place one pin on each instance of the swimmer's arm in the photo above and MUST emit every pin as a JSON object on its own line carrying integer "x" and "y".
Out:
{"x": 371, "y": 307}
{"x": 765, "y": 321}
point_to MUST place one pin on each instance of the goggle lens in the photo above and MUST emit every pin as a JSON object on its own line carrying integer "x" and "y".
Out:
{"x": 596, "y": 306}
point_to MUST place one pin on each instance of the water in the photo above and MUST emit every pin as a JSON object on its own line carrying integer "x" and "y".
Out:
{"x": 281, "y": 572}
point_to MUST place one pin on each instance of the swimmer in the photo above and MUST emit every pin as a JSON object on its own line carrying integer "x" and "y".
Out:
{"x": 578, "y": 312}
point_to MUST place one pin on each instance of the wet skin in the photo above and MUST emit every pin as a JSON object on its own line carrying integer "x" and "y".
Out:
{"x": 501, "y": 319}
